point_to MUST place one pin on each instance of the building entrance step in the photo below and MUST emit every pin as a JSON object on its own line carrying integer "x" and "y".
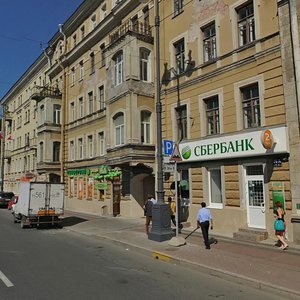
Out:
{"x": 250, "y": 234}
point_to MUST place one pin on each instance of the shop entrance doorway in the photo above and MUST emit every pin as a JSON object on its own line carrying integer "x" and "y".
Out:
{"x": 255, "y": 197}
{"x": 116, "y": 196}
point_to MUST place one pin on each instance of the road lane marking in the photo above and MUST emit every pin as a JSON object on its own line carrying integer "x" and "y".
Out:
{"x": 6, "y": 281}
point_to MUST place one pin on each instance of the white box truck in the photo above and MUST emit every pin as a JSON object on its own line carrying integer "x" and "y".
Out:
{"x": 39, "y": 203}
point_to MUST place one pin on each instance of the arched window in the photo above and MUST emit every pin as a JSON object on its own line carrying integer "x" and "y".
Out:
{"x": 119, "y": 129}
{"x": 144, "y": 64}
{"x": 118, "y": 71}
{"x": 145, "y": 127}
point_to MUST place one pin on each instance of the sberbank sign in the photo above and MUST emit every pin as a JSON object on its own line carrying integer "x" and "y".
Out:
{"x": 224, "y": 147}
{"x": 231, "y": 146}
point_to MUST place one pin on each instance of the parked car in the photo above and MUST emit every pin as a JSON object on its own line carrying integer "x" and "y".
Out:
{"x": 12, "y": 202}
{"x": 5, "y": 197}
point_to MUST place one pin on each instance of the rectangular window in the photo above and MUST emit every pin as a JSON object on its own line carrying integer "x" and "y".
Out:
{"x": 215, "y": 188}
{"x": 251, "y": 106}
{"x": 119, "y": 69}
{"x": 90, "y": 146}
{"x": 102, "y": 47}
{"x": 72, "y": 76}
{"x": 101, "y": 97}
{"x": 80, "y": 107}
{"x": 81, "y": 70}
{"x": 212, "y": 115}
{"x": 181, "y": 115}
{"x": 56, "y": 151}
{"x": 93, "y": 22}
{"x": 101, "y": 143}
{"x": 144, "y": 61}
{"x": 179, "y": 56}
{"x": 72, "y": 151}
{"x": 246, "y": 23}
{"x": 178, "y": 7}
{"x": 82, "y": 32}
{"x": 209, "y": 42}
{"x": 72, "y": 111}
{"x": 92, "y": 58}
{"x": 91, "y": 102}
{"x": 145, "y": 127}
{"x": 80, "y": 148}
{"x": 103, "y": 11}
{"x": 74, "y": 40}
{"x": 56, "y": 113}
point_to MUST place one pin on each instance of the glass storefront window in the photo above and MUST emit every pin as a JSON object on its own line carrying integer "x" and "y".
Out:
{"x": 215, "y": 188}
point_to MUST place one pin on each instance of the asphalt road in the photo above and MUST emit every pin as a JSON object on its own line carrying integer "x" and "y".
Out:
{"x": 50, "y": 264}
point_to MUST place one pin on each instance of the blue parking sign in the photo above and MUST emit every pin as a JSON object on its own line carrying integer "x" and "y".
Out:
{"x": 168, "y": 147}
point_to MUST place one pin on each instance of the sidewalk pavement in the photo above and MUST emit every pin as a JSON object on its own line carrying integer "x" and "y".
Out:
{"x": 260, "y": 265}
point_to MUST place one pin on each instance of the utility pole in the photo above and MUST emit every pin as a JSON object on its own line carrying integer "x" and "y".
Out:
{"x": 161, "y": 219}
{"x": 3, "y": 147}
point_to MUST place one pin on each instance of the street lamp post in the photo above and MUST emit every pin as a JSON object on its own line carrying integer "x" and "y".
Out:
{"x": 3, "y": 147}
{"x": 161, "y": 219}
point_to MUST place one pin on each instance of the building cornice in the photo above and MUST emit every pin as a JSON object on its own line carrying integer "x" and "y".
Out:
{"x": 112, "y": 21}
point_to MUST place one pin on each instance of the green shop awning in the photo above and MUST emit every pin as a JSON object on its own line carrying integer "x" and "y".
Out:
{"x": 78, "y": 172}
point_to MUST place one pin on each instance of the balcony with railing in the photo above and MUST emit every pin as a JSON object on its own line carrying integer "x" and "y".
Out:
{"x": 141, "y": 30}
{"x": 39, "y": 93}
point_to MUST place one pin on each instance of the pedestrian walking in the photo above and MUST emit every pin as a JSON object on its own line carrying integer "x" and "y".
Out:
{"x": 204, "y": 220}
{"x": 148, "y": 211}
{"x": 172, "y": 210}
{"x": 279, "y": 225}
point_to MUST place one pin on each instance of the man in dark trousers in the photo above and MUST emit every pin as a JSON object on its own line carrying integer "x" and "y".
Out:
{"x": 204, "y": 219}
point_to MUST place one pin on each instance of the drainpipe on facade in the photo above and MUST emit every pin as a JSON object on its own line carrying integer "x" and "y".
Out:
{"x": 62, "y": 128}
{"x": 64, "y": 36}
{"x": 295, "y": 49}
{"x": 294, "y": 29}
{"x": 63, "y": 100}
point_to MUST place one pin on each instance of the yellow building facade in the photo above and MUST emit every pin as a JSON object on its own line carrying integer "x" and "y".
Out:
{"x": 224, "y": 104}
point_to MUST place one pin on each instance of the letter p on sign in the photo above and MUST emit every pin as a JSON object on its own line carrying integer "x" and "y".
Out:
{"x": 168, "y": 147}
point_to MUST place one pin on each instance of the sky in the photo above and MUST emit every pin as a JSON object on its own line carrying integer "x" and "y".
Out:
{"x": 24, "y": 25}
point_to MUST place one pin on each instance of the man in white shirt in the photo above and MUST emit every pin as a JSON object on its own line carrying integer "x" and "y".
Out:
{"x": 204, "y": 219}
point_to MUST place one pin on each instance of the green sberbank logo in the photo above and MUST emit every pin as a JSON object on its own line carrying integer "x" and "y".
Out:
{"x": 186, "y": 152}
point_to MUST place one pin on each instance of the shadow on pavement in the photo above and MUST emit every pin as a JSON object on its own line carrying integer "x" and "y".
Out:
{"x": 70, "y": 221}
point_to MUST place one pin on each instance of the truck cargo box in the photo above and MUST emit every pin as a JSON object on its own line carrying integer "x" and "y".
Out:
{"x": 39, "y": 202}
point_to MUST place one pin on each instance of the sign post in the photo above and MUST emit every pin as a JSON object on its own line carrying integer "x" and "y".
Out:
{"x": 176, "y": 157}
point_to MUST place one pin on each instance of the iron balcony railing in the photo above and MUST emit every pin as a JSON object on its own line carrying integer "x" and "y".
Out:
{"x": 141, "y": 30}
{"x": 38, "y": 93}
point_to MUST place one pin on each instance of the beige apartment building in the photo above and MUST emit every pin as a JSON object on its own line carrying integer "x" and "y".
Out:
{"x": 84, "y": 112}
{"x": 225, "y": 105}
{"x": 20, "y": 156}
{"x": 109, "y": 144}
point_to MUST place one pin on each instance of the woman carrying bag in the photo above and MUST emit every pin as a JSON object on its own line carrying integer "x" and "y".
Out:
{"x": 279, "y": 225}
